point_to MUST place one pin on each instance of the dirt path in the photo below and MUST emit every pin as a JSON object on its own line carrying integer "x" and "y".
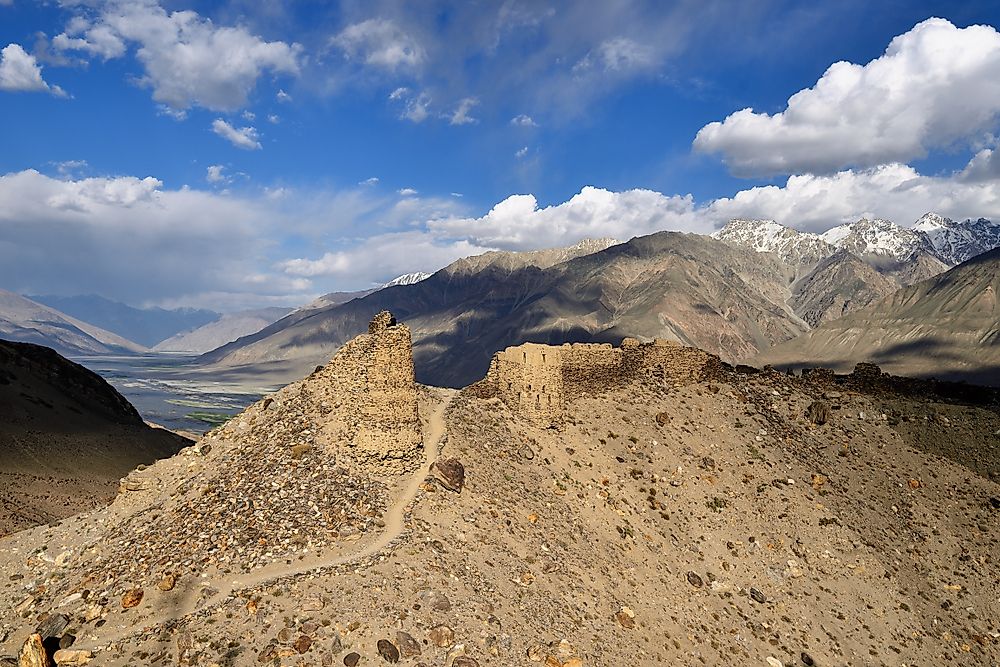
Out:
{"x": 190, "y": 598}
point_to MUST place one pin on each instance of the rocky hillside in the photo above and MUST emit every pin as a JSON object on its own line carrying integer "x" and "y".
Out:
{"x": 683, "y": 287}
{"x": 667, "y": 510}
{"x": 947, "y": 326}
{"x": 66, "y": 437}
{"x": 29, "y": 322}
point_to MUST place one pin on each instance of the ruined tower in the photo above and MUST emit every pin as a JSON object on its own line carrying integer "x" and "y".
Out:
{"x": 371, "y": 380}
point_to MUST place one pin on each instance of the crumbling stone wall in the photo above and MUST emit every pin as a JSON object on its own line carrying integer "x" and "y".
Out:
{"x": 369, "y": 387}
{"x": 538, "y": 380}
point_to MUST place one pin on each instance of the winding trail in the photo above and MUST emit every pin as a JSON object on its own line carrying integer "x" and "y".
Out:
{"x": 189, "y": 599}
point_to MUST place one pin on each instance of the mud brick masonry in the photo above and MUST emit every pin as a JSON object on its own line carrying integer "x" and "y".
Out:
{"x": 538, "y": 380}
{"x": 371, "y": 382}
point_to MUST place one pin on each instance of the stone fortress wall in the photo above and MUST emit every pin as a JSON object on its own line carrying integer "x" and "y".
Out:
{"x": 538, "y": 380}
{"x": 370, "y": 383}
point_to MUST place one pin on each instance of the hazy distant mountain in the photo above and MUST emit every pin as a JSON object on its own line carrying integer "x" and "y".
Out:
{"x": 66, "y": 437}
{"x": 24, "y": 320}
{"x": 147, "y": 326}
{"x": 947, "y": 326}
{"x": 679, "y": 286}
{"x": 224, "y": 330}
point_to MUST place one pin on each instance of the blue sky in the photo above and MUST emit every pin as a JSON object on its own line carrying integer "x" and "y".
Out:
{"x": 243, "y": 153}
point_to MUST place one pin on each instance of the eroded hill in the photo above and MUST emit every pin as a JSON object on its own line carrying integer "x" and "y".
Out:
{"x": 580, "y": 505}
{"x": 66, "y": 437}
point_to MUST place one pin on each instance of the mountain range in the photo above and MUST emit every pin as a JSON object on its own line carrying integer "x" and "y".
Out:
{"x": 145, "y": 326}
{"x": 750, "y": 286}
{"x": 947, "y": 327}
{"x": 24, "y": 320}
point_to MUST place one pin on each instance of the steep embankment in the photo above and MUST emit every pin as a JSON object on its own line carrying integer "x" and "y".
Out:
{"x": 683, "y": 287}
{"x": 665, "y": 511}
{"x": 66, "y": 437}
{"x": 947, "y": 327}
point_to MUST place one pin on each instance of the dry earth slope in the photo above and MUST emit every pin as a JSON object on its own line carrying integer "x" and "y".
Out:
{"x": 580, "y": 505}
{"x": 946, "y": 327}
{"x": 66, "y": 437}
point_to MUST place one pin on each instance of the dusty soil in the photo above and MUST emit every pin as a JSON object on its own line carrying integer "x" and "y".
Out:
{"x": 705, "y": 524}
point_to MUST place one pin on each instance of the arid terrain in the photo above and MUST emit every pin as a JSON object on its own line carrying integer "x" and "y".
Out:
{"x": 581, "y": 505}
{"x": 66, "y": 437}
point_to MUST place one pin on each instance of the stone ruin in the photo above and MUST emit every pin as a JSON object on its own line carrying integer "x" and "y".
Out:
{"x": 370, "y": 383}
{"x": 537, "y": 381}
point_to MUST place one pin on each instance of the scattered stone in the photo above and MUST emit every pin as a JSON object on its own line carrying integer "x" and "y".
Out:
{"x": 757, "y": 596}
{"x": 464, "y": 661}
{"x": 457, "y": 651}
{"x": 303, "y": 644}
{"x": 168, "y": 582}
{"x": 299, "y": 450}
{"x": 53, "y": 625}
{"x": 807, "y": 659}
{"x": 695, "y": 580}
{"x": 408, "y": 645}
{"x": 442, "y": 636}
{"x": 818, "y": 412}
{"x": 662, "y": 418}
{"x": 626, "y": 618}
{"x": 818, "y": 481}
{"x": 527, "y": 453}
{"x": 915, "y": 484}
{"x": 387, "y": 650}
{"x": 451, "y": 474}
{"x": 774, "y": 662}
{"x": 72, "y": 657}
{"x": 435, "y": 600}
{"x": 352, "y": 659}
{"x": 132, "y": 598}
{"x": 33, "y": 653}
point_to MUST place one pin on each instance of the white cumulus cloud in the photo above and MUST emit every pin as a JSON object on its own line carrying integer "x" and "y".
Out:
{"x": 934, "y": 86}
{"x": 188, "y": 60}
{"x": 20, "y": 72}
{"x": 380, "y": 43}
{"x": 246, "y": 138}
{"x": 463, "y": 112}
{"x": 517, "y": 223}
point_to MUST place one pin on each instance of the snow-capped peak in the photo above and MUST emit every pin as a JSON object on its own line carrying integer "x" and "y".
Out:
{"x": 955, "y": 242}
{"x": 794, "y": 247}
{"x": 876, "y": 237}
{"x": 407, "y": 279}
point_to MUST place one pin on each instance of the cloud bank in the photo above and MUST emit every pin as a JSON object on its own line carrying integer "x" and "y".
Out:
{"x": 935, "y": 86}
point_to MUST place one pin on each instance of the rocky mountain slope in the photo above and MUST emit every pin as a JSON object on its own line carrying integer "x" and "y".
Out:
{"x": 66, "y": 437}
{"x": 683, "y": 287}
{"x": 27, "y": 321}
{"x": 663, "y": 509}
{"x": 947, "y": 326}
{"x": 837, "y": 285}
{"x": 955, "y": 242}
{"x": 226, "y": 329}
{"x": 146, "y": 326}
